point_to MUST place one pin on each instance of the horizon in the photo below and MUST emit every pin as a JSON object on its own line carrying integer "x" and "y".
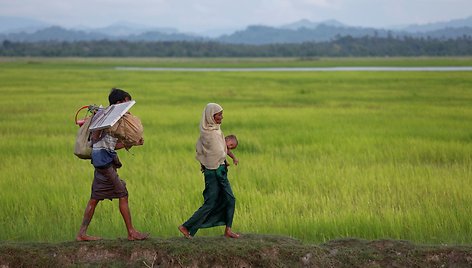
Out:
{"x": 208, "y": 32}
{"x": 208, "y": 15}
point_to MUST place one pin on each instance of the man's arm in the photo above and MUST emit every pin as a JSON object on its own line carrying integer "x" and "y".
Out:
{"x": 121, "y": 145}
{"x": 95, "y": 136}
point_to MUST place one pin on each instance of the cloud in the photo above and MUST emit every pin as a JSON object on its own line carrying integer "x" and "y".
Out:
{"x": 320, "y": 3}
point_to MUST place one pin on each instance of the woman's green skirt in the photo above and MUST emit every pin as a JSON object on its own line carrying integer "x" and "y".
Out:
{"x": 218, "y": 205}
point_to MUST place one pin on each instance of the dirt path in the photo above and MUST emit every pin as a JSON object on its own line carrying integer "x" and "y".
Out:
{"x": 249, "y": 251}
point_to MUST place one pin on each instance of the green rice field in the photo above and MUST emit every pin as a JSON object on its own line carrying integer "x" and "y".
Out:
{"x": 323, "y": 155}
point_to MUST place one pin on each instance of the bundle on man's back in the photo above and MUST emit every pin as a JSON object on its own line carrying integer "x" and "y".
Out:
{"x": 128, "y": 130}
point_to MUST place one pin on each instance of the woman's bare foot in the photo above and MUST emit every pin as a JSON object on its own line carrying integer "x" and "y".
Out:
{"x": 80, "y": 237}
{"x": 230, "y": 234}
{"x": 135, "y": 235}
{"x": 184, "y": 231}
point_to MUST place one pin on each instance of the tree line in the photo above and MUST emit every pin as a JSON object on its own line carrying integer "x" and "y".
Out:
{"x": 345, "y": 46}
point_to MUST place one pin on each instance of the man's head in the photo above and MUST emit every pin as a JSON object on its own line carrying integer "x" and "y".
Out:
{"x": 118, "y": 96}
{"x": 231, "y": 142}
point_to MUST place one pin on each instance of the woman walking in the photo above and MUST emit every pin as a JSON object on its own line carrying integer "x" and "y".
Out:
{"x": 219, "y": 202}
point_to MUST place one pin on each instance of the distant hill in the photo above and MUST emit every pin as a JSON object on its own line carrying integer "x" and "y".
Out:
{"x": 53, "y": 33}
{"x": 126, "y": 28}
{"x": 56, "y": 33}
{"x": 297, "y": 32}
{"x": 160, "y": 36}
{"x": 257, "y": 35}
{"x": 458, "y": 23}
{"x": 447, "y": 33}
{"x": 16, "y": 25}
{"x": 304, "y": 23}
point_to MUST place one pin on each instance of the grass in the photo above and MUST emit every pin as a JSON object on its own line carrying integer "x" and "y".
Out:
{"x": 322, "y": 155}
{"x": 239, "y": 62}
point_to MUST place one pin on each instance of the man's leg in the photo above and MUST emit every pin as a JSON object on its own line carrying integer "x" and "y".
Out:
{"x": 125, "y": 212}
{"x": 89, "y": 210}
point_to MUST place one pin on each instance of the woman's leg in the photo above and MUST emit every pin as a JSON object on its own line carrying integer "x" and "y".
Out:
{"x": 230, "y": 201}
{"x": 210, "y": 195}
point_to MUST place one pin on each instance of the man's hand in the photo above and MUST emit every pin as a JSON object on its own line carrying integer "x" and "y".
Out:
{"x": 119, "y": 145}
{"x": 141, "y": 141}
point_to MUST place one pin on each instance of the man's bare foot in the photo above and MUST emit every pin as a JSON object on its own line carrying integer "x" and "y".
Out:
{"x": 230, "y": 234}
{"x": 184, "y": 231}
{"x": 135, "y": 235}
{"x": 87, "y": 238}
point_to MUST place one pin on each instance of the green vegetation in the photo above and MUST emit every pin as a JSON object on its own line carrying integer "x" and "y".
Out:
{"x": 346, "y": 46}
{"x": 322, "y": 156}
{"x": 86, "y": 63}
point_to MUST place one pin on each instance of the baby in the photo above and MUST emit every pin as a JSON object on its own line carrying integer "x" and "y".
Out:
{"x": 231, "y": 143}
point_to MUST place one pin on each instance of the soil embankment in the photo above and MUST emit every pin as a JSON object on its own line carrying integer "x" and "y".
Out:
{"x": 249, "y": 251}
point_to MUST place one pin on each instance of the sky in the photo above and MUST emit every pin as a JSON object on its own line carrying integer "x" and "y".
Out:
{"x": 201, "y": 15}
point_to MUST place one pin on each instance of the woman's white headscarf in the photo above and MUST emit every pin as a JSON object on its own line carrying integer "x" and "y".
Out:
{"x": 211, "y": 146}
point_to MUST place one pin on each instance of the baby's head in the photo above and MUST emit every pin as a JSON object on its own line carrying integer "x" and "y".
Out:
{"x": 231, "y": 142}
